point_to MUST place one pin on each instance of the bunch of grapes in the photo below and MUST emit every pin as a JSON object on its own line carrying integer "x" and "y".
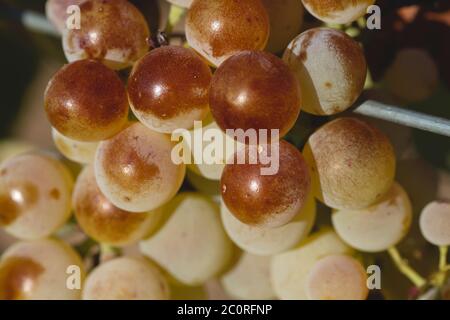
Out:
{"x": 146, "y": 227}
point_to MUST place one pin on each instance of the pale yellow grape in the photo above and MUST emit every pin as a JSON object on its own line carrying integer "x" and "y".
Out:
{"x": 126, "y": 278}
{"x": 10, "y": 148}
{"x": 337, "y": 277}
{"x": 35, "y": 192}
{"x": 181, "y": 3}
{"x": 269, "y": 241}
{"x": 249, "y": 279}
{"x": 204, "y": 185}
{"x": 286, "y": 19}
{"x": 77, "y": 151}
{"x": 337, "y": 11}
{"x": 192, "y": 245}
{"x": 181, "y": 292}
{"x": 56, "y": 12}
{"x": 435, "y": 223}
{"x": 135, "y": 171}
{"x": 331, "y": 69}
{"x": 37, "y": 270}
{"x": 379, "y": 227}
{"x": 289, "y": 270}
{"x": 413, "y": 75}
{"x": 352, "y": 163}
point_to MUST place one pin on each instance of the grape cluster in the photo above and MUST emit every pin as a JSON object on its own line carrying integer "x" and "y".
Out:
{"x": 259, "y": 235}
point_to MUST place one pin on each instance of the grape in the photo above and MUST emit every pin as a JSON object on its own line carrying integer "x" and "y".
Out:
{"x": 286, "y": 19}
{"x": 263, "y": 241}
{"x": 337, "y": 277}
{"x": 35, "y": 194}
{"x": 77, "y": 151}
{"x": 379, "y": 227}
{"x": 168, "y": 89}
{"x": 86, "y": 101}
{"x": 134, "y": 169}
{"x": 330, "y": 67}
{"x": 266, "y": 201}
{"x": 181, "y": 3}
{"x": 36, "y": 270}
{"x": 56, "y": 12}
{"x": 203, "y": 185}
{"x": 255, "y": 90}
{"x": 435, "y": 223}
{"x": 337, "y": 11}
{"x": 10, "y": 148}
{"x": 103, "y": 221}
{"x": 112, "y": 31}
{"x": 353, "y": 163}
{"x": 249, "y": 278}
{"x": 192, "y": 245}
{"x": 180, "y": 292}
{"x": 290, "y": 270}
{"x": 126, "y": 278}
{"x": 413, "y": 76}
{"x": 218, "y": 29}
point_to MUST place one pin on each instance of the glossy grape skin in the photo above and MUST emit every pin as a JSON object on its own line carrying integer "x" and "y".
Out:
{"x": 77, "y": 151}
{"x": 352, "y": 163}
{"x": 337, "y": 277}
{"x": 55, "y": 11}
{"x": 264, "y": 241}
{"x": 435, "y": 223}
{"x": 168, "y": 89}
{"x": 126, "y": 278}
{"x": 112, "y": 31}
{"x": 218, "y": 29}
{"x": 267, "y": 201}
{"x": 330, "y": 67}
{"x": 181, "y": 3}
{"x": 199, "y": 247}
{"x": 103, "y": 221}
{"x": 35, "y": 194}
{"x": 255, "y": 90}
{"x": 378, "y": 227}
{"x": 37, "y": 270}
{"x": 86, "y": 101}
{"x": 337, "y": 11}
{"x": 142, "y": 176}
{"x": 286, "y": 19}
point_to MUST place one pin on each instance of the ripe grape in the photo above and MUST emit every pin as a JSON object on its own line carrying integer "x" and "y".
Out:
{"x": 35, "y": 194}
{"x": 103, "y": 221}
{"x": 330, "y": 67}
{"x": 286, "y": 19}
{"x": 37, "y": 270}
{"x": 337, "y": 277}
{"x": 141, "y": 176}
{"x": 181, "y": 3}
{"x": 77, "y": 151}
{"x": 192, "y": 245}
{"x": 352, "y": 163}
{"x": 56, "y": 12}
{"x": 112, "y": 31}
{"x": 266, "y": 201}
{"x": 168, "y": 89}
{"x": 86, "y": 101}
{"x": 337, "y": 11}
{"x": 255, "y": 90}
{"x": 218, "y": 29}
{"x": 263, "y": 241}
{"x": 290, "y": 270}
{"x": 435, "y": 223}
{"x": 203, "y": 185}
{"x": 10, "y": 148}
{"x": 249, "y": 279}
{"x": 126, "y": 278}
{"x": 378, "y": 227}
{"x": 413, "y": 76}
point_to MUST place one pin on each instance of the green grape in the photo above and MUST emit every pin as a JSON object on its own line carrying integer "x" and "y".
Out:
{"x": 192, "y": 245}
{"x": 77, "y": 151}
{"x": 126, "y": 278}
{"x": 435, "y": 223}
{"x": 35, "y": 192}
{"x": 337, "y": 11}
{"x": 37, "y": 270}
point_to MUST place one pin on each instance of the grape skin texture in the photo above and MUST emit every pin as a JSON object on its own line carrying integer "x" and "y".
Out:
{"x": 435, "y": 223}
{"x": 77, "y": 151}
{"x": 337, "y": 11}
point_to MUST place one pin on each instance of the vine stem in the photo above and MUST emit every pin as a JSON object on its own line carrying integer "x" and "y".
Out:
{"x": 404, "y": 268}
{"x": 443, "y": 266}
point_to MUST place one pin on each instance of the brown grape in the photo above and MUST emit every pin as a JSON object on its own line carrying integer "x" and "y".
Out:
{"x": 168, "y": 89}
{"x": 218, "y": 29}
{"x": 337, "y": 11}
{"x": 255, "y": 90}
{"x": 86, "y": 101}
{"x": 266, "y": 200}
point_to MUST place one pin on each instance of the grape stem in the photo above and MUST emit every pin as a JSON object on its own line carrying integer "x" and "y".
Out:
{"x": 404, "y": 268}
{"x": 443, "y": 266}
